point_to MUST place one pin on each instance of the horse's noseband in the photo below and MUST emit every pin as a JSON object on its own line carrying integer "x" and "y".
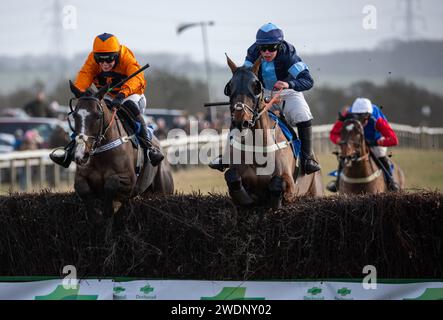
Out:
{"x": 356, "y": 155}
{"x": 241, "y": 106}
{"x": 256, "y": 114}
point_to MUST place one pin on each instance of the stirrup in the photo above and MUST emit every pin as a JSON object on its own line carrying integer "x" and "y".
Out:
{"x": 63, "y": 160}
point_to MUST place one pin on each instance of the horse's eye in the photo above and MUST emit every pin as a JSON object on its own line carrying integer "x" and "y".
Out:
{"x": 228, "y": 90}
{"x": 257, "y": 87}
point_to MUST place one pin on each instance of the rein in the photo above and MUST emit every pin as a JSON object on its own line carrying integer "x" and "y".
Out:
{"x": 240, "y": 106}
{"x": 275, "y": 99}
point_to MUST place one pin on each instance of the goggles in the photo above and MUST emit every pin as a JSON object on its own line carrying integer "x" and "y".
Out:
{"x": 105, "y": 57}
{"x": 269, "y": 47}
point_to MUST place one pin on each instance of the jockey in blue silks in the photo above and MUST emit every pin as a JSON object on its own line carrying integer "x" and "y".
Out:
{"x": 282, "y": 68}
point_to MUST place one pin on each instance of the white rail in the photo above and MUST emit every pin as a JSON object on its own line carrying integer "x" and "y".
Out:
{"x": 24, "y": 169}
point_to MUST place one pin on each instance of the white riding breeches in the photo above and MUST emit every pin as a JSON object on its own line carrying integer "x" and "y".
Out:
{"x": 379, "y": 152}
{"x": 295, "y": 108}
{"x": 139, "y": 99}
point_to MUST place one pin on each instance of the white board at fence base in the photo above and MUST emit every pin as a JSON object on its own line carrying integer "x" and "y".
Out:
{"x": 217, "y": 290}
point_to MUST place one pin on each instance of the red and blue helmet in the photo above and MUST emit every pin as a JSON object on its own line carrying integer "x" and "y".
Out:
{"x": 269, "y": 34}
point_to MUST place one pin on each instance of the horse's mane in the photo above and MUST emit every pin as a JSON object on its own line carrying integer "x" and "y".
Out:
{"x": 243, "y": 69}
{"x": 88, "y": 93}
{"x": 91, "y": 91}
{"x": 356, "y": 122}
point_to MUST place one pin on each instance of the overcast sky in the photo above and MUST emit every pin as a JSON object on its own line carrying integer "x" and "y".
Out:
{"x": 313, "y": 26}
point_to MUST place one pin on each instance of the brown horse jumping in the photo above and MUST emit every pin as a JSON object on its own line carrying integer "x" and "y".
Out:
{"x": 261, "y": 181}
{"x": 360, "y": 173}
{"x": 106, "y": 160}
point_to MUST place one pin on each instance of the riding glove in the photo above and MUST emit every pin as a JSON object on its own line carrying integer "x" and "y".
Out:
{"x": 118, "y": 100}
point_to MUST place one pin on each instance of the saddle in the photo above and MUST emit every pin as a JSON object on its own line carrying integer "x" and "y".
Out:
{"x": 132, "y": 128}
{"x": 288, "y": 132}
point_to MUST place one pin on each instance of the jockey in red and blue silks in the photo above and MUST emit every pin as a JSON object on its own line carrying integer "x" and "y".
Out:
{"x": 282, "y": 68}
{"x": 378, "y": 133}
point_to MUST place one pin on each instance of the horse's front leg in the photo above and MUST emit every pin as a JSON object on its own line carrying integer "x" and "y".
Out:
{"x": 115, "y": 189}
{"x": 290, "y": 192}
{"x": 84, "y": 191}
{"x": 236, "y": 189}
{"x": 276, "y": 190}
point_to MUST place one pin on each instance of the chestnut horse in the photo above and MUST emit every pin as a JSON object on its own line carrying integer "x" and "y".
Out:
{"x": 360, "y": 173}
{"x": 106, "y": 160}
{"x": 270, "y": 176}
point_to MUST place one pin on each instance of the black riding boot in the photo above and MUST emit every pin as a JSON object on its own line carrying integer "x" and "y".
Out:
{"x": 392, "y": 185}
{"x": 155, "y": 154}
{"x": 307, "y": 161}
{"x": 65, "y": 157}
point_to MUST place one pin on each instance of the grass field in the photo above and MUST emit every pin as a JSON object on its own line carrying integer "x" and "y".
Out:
{"x": 423, "y": 170}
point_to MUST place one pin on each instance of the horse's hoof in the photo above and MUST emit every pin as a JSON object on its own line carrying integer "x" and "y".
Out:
{"x": 241, "y": 197}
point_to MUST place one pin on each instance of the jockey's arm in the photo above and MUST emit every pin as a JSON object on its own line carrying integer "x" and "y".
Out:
{"x": 299, "y": 78}
{"x": 87, "y": 73}
{"x": 334, "y": 135}
{"x": 136, "y": 83}
{"x": 303, "y": 82}
{"x": 389, "y": 138}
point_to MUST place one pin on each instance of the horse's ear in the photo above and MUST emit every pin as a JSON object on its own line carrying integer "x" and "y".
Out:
{"x": 76, "y": 91}
{"x": 256, "y": 66}
{"x": 101, "y": 93}
{"x": 231, "y": 64}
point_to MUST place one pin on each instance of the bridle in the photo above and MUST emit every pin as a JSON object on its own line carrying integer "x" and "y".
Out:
{"x": 261, "y": 105}
{"x": 82, "y": 138}
{"x": 356, "y": 155}
{"x": 255, "y": 111}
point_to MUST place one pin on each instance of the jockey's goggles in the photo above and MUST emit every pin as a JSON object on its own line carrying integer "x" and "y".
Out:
{"x": 269, "y": 47}
{"x": 105, "y": 57}
{"x": 359, "y": 116}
